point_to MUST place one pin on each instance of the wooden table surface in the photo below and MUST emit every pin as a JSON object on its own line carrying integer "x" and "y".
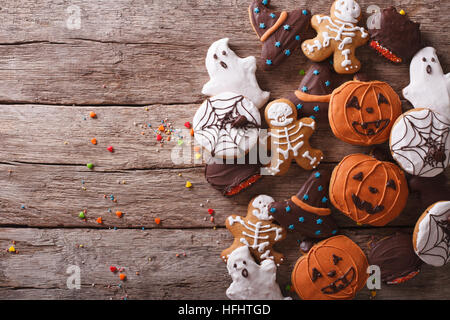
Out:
{"x": 135, "y": 63}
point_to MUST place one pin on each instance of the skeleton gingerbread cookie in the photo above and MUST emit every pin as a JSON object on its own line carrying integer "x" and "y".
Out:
{"x": 252, "y": 281}
{"x": 338, "y": 34}
{"x": 230, "y": 73}
{"x": 289, "y": 138}
{"x": 256, "y": 231}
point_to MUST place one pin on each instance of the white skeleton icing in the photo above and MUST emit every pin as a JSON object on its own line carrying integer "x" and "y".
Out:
{"x": 259, "y": 233}
{"x": 261, "y": 204}
{"x": 347, "y": 10}
{"x": 342, "y": 29}
{"x": 279, "y": 114}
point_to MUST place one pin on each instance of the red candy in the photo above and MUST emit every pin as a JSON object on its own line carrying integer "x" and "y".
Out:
{"x": 211, "y": 211}
{"x": 159, "y": 137}
{"x": 110, "y": 149}
{"x": 113, "y": 269}
{"x": 187, "y": 125}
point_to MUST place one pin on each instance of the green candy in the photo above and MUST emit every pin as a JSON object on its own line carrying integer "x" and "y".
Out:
{"x": 81, "y": 215}
{"x": 90, "y": 165}
{"x": 302, "y": 72}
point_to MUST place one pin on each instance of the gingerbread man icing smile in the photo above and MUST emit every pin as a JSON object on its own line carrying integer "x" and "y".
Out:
{"x": 338, "y": 34}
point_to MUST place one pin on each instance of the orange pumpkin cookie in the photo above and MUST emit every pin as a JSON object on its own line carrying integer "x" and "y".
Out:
{"x": 289, "y": 138}
{"x": 367, "y": 190}
{"x": 363, "y": 113}
{"x": 334, "y": 269}
{"x": 256, "y": 231}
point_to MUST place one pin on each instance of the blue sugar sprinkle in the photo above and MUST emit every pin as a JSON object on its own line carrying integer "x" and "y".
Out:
{"x": 316, "y": 108}
{"x": 299, "y": 106}
{"x": 301, "y": 219}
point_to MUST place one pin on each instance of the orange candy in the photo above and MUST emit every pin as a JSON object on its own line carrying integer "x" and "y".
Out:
{"x": 122, "y": 277}
{"x": 92, "y": 114}
{"x": 119, "y": 214}
{"x": 94, "y": 141}
{"x": 157, "y": 220}
{"x": 161, "y": 128}
{"x": 99, "y": 220}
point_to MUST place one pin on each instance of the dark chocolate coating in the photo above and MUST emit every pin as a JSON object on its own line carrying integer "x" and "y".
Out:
{"x": 319, "y": 80}
{"x": 298, "y": 22}
{"x": 430, "y": 190}
{"x": 398, "y": 34}
{"x": 314, "y": 193}
{"x": 225, "y": 177}
{"x": 395, "y": 256}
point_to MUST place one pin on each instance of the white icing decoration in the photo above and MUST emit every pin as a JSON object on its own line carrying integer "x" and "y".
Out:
{"x": 432, "y": 243}
{"x": 238, "y": 76}
{"x": 428, "y": 90}
{"x": 260, "y": 282}
{"x": 341, "y": 31}
{"x": 261, "y": 204}
{"x": 409, "y": 141}
{"x": 279, "y": 113}
{"x": 227, "y": 142}
{"x": 307, "y": 156}
{"x": 347, "y": 10}
{"x": 257, "y": 231}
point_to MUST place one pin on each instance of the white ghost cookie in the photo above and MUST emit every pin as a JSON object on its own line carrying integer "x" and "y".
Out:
{"x": 250, "y": 280}
{"x": 429, "y": 87}
{"x": 228, "y": 72}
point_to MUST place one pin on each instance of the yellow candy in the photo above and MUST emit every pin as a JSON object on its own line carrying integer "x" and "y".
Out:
{"x": 402, "y": 12}
{"x": 188, "y": 184}
{"x": 12, "y": 249}
{"x": 198, "y": 156}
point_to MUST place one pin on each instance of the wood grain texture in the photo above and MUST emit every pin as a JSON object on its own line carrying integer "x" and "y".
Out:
{"x": 152, "y": 52}
{"x": 53, "y": 196}
{"x": 39, "y": 269}
{"x": 128, "y": 55}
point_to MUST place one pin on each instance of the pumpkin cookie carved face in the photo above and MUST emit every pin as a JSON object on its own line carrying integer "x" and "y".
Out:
{"x": 367, "y": 190}
{"x": 362, "y": 113}
{"x": 334, "y": 269}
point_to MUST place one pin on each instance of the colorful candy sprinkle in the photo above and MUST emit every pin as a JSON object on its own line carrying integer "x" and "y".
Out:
{"x": 90, "y": 165}
{"x": 110, "y": 149}
{"x": 99, "y": 220}
{"x": 157, "y": 220}
{"x": 187, "y": 124}
{"x": 94, "y": 141}
{"x": 112, "y": 269}
{"x": 122, "y": 277}
{"x": 119, "y": 214}
{"x": 188, "y": 184}
{"x": 92, "y": 114}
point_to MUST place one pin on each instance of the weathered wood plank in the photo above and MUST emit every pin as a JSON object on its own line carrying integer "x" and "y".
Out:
{"x": 65, "y": 134}
{"x": 126, "y": 53}
{"x": 38, "y": 271}
{"x": 52, "y": 196}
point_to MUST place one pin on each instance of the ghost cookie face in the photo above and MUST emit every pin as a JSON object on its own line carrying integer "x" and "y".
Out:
{"x": 227, "y": 125}
{"x": 230, "y": 73}
{"x": 363, "y": 113}
{"x": 281, "y": 33}
{"x": 429, "y": 87}
{"x": 289, "y": 138}
{"x": 256, "y": 231}
{"x": 420, "y": 142}
{"x": 252, "y": 281}
{"x": 338, "y": 35}
{"x": 334, "y": 269}
{"x": 367, "y": 190}
{"x": 308, "y": 211}
{"x": 431, "y": 238}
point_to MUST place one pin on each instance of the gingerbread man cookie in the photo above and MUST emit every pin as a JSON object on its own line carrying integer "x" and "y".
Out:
{"x": 289, "y": 138}
{"x": 338, "y": 34}
{"x": 256, "y": 231}
{"x": 280, "y": 32}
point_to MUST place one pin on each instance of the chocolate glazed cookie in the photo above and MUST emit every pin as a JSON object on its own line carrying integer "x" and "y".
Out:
{"x": 280, "y": 32}
{"x": 308, "y": 211}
